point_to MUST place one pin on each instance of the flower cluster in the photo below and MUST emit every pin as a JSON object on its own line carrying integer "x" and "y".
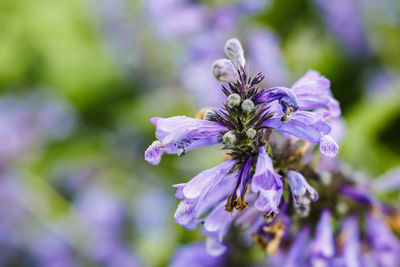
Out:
{"x": 246, "y": 125}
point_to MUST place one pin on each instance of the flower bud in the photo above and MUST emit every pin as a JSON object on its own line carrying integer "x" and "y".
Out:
{"x": 234, "y": 100}
{"x": 210, "y": 115}
{"x": 234, "y": 51}
{"x": 224, "y": 71}
{"x": 228, "y": 138}
{"x": 247, "y": 106}
{"x": 251, "y": 133}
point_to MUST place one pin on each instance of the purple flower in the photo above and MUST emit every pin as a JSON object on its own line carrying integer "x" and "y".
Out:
{"x": 388, "y": 182}
{"x": 217, "y": 223}
{"x": 51, "y": 250}
{"x": 298, "y": 252}
{"x": 322, "y": 247}
{"x": 195, "y": 255}
{"x": 266, "y": 56}
{"x": 352, "y": 246}
{"x": 292, "y": 115}
{"x": 266, "y": 182}
{"x": 358, "y": 194}
{"x": 180, "y": 134}
{"x": 202, "y": 192}
{"x": 345, "y": 19}
{"x": 302, "y": 192}
{"x": 168, "y": 16}
{"x": 219, "y": 198}
{"x": 385, "y": 245}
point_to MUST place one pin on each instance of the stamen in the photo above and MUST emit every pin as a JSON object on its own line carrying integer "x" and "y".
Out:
{"x": 181, "y": 152}
{"x": 288, "y": 114}
{"x": 277, "y": 230}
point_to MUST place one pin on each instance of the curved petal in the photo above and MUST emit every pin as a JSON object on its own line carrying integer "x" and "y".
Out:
{"x": 308, "y": 126}
{"x": 322, "y": 246}
{"x": 302, "y": 192}
{"x": 284, "y": 95}
{"x": 203, "y": 180}
{"x": 153, "y": 153}
{"x": 185, "y": 213}
{"x": 183, "y": 133}
{"x": 313, "y": 91}
{"x": 214, "y": 248}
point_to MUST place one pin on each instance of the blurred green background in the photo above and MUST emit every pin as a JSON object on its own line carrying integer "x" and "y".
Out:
{"x": 79, "y": 82}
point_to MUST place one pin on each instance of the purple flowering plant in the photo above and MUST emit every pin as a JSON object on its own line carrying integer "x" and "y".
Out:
{"x": 272, "y": 187}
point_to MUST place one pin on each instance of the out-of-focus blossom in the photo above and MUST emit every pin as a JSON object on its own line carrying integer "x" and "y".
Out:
{"x": 345, "y": 19}
{"x": 195, "y": 255}
{"x": 28, "y": 122}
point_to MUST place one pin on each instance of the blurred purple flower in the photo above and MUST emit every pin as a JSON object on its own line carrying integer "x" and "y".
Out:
{"x": 30, "y": 121}
{"x": 322, "y": 248}
{"x": 345, "y": 19}
{"x": 195, "y": 255}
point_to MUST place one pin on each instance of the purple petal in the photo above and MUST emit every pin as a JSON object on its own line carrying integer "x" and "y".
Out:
{"x": 358, "y": 194}
{"x": 179, "y": 190}
{"x": 266, "y": 56}
{"x": 216, "y": 218}
{"x": 322, "y": 246}
{"x": 267, "y": 182}
{"x": 214, "y": 247}
{"x": 268, "y": 200}
{"x": 203, "y": 180}
{"x": 328, "y": 146}
{"x": 312, "y": 92}
{"x": 308, "y": 126}
{"x": 195, "y": 255}
{"x": 185, "y": 213}
{"x": 302, "y": 192}
{"x": 153, "y": 153}
{"x": 388, "y": 182}
{"x": 352, "y": 249}
{"x": 185, "y": 133}
{"x": 284, "y": 95}
{"x": 299, "y": 250}
{"x": 218, "y": 222}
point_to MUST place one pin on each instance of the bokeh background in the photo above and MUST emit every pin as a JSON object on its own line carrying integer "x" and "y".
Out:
{"x": 80, "y": 79}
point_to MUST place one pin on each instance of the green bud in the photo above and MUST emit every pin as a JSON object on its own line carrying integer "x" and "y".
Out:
{"x": 234, "y": 51}
{"x": 251, "y": 133}
{"x": 247, "y": 106}
{"x": 209, "y": 115}
{"x": 228, "y": 138}
{"x": 234, "y": 100}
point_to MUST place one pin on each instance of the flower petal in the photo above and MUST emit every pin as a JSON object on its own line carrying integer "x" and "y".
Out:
{"x": 328, "y": 146}
{"x": 203, "y": 180}
{"x": 322, "y": 246}
{"x": 308, "y": 126}
{"x": 153, "y": 153}
{"x": 185, "y": 213}
{"x": 214, "y": 248}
